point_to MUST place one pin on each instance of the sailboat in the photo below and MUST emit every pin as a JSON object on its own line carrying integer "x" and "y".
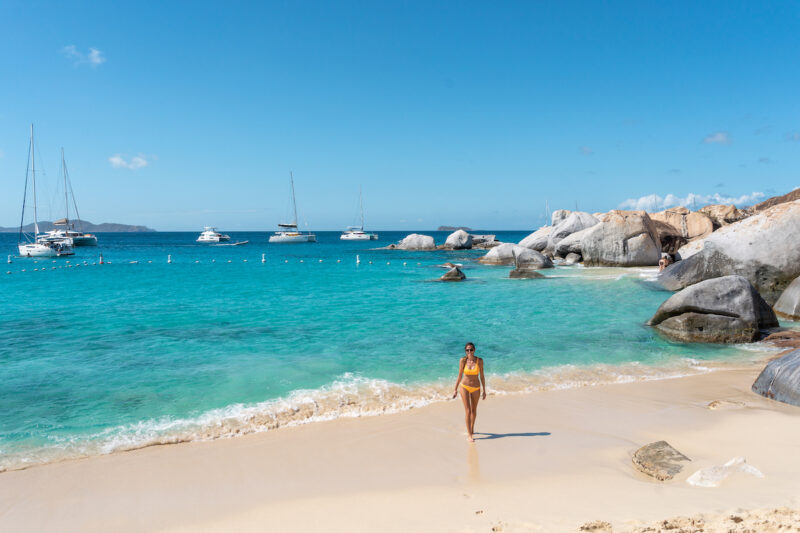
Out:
{"x": 356, "y": 233}
{"x": 32, "y": 246}
{"x": 289, "y": 232}
{"x": 79, "y": 238}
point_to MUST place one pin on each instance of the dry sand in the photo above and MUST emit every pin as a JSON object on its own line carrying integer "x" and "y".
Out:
{"x": 549, "y": 461}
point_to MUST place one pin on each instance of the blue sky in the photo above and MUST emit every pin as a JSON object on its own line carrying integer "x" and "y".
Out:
{"x": 182, "y": 114}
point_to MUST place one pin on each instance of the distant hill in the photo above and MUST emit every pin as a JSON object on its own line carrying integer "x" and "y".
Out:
{"x": 453, "y": 228}
{"x": 86, "y": 225}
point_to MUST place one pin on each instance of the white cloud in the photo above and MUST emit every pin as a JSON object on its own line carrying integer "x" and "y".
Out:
{"x": 117, "y": 161}
{"x": 719, "y": 137}
{"x": 655, "y": 202}
{"x": 93, "y": 58}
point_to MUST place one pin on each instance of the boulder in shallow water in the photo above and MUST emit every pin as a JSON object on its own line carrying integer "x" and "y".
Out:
{"x": 415, "y": 241}
{"x": 572, "y": 258}
{"x": 505, "y": 255}
{"x": 721, "y": 310}
{"x": 458, "y": 240}
{"x": 788, "y": 305}
{"x": 625, "y": 238}
{"x": 524, "y": 273}
{"x": 571, "y": 244}
{"x": 454, "y": 274}
{"x": 780, "y": 379}
{"x": 576, "y": 221}
{"x": 764, "y": 248}
{"x": 538, "y": 239}
{"x": 659, "y": 460}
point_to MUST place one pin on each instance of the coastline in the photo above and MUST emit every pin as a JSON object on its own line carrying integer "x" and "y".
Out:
{"x": 550, "y": 461}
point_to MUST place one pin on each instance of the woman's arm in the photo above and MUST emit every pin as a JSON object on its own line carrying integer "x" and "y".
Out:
{"x": 483, "y": 378}
{"x": 460, "y": 374}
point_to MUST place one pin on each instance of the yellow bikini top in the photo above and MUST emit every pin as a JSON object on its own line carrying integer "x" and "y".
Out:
{"x": 471, "y": 371}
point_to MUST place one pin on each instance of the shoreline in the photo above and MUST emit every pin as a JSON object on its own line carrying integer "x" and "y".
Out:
{"x": 355, "y": 474}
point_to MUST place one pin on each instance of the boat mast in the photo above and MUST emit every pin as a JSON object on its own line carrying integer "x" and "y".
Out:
{"x": 294, "y": 202}
{"x": 66, "y": 194}
{"x": 361, "y": 203}
{"x": 33, "y": 173}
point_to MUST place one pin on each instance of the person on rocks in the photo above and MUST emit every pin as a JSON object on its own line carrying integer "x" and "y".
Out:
{"x": 470, "y": 368}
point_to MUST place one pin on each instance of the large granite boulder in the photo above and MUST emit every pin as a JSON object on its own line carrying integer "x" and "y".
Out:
{"x": 788, "y": 305}
{"x": 764, "y": 248}
{"x": 415, "y": 241}
{"x": 458, "y": 240}
{"x": 671, "y": 238}
{"x": 572, "y": 258}
{"x": 575, "y": 221}
{"x": 571, "y": 244}
{"x": 625, "y": 238}
{"x": 659, "y": 460}
{"x": 559, "y": 215}
{"x": 510, "y": 253}
{"x": 722, "y": 215}
{"x": 688, "y": 250}
{"x": 780, "y": 379}
{"x": 538, "y": 239}
{"x": 691, "y": 225}
{"x": 726, "y": 309}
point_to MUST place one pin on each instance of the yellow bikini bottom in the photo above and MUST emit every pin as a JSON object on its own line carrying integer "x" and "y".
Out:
{"x": 470, "y": 389}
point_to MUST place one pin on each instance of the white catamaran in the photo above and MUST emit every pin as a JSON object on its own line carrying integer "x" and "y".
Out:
{"x": 356, "y": 233}
{"x": 38, "y": 245}
{"x": 79, "y": 238}
{"x": 289, "y": 232}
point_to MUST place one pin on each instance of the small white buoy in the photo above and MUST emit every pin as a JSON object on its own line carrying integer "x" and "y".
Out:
{"x": 169, "y": 258}
{"x": 213, "y": 260}
{"x": 196, "y": 262}
{"x": 36, "y": 270}
{"x": 38, "y": 261}
{"x": 229, "y": 261}
{"x": 263, "y": 258}
{"x": 134, "y": 262}
{"x": 338, "y": 260}
{"x": 388, "y": 263}
{"x": 244, "y": 260}
{"x": 358, "y": 260}
{"x": 101, "y": 258}
{"x": 419, "y": 264}
{"x": 286, "y": 261}
{"x": 320, "y": 260}
{"x": 23, "y": 270}
{"x": 94, "y": 263}
{"x": 53, "y": 268}
{"x": 404, "y": 263}
{"x": 301, "y": 260}
{"x": 9, "y": 272}
{"x": 9, "y": 261}
{"x": 370, "y": 262}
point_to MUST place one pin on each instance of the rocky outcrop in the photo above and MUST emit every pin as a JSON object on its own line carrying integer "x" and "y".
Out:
{"x": 721, "y": 310}
{"x": 764, "y": 248}
{"x": 626, "y": 238}
{"x": 659, "y": 460}
{"x": 575, "y": 221}
{"x": 722, "y": 215}
{"x": 458, "y": 240}
{"x": 524, "y": 273}
{"x": 775, "y": 200}
{"x": 538, "y": 239}
{"x": 571, "y": 244}
{"x": 415, "y": 241}
{"x": 572, "y": 258}
{"x": 671, "y": 238}
{"x": 780, "y": 379}
{"x": 688, "y": 250}
{"x": 454, "y": 274}
{"x": 506, "y": 253}
{"x": 558, "y": 216}
{"x": 788, "y": 305}
{"x": 482, "y": 239}
{"x": 691, "y": 225}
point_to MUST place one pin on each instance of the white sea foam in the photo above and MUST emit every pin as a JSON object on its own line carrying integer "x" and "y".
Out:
{"x": 349, "y": 396}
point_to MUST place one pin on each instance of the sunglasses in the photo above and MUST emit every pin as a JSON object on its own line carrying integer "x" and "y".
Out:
{"x": 470, "y": 349}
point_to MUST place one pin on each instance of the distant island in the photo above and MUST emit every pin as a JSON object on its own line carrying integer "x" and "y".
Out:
{"x": 453, "y": 228}
{"x": 85, "y": 226}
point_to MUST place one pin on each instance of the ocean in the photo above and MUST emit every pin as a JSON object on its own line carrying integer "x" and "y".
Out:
{"x": 138, "y": 351}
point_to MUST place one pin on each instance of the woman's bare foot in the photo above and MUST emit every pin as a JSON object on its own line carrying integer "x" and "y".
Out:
{"x": 470, "y": 439}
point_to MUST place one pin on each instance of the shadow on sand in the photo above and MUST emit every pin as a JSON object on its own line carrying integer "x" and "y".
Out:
{"x": 487, "y": 436}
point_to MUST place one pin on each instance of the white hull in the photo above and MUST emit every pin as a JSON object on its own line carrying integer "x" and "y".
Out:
{"x": 292, "y": 238}
{"x": 213, "y": 239}
{"x": 359, "y": 237}
{"x": 43, "y": 250}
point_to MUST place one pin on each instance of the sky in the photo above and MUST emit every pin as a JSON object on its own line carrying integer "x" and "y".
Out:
{"x": 177, "y": 115}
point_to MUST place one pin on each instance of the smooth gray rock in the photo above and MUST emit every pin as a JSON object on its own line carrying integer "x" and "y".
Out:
{"x": 721, "y": 310}
{"x": 524, "y": 273}
{"x": 415, "y": 241}
{"x": 788, "y": 305}
{"x": 764, "y": 248}
{"x": 538, "y": 239}
{"x": 572, "y": 258}
{"x": 659, "y": 460}
{"x": 559, "y": 215}
{"x": 780, "y": 379}
{"x": 571, "y": 244}
{"x": 624, "y": 238}
{"x": 458, "y": 240}
{"x": 454, "y": 274}
{"x": 505, "y": 255}
{"x": 575, "y": 221}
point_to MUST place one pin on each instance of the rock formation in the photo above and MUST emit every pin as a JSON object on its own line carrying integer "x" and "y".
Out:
{"x": 625, "y": 238}
{"x": 722, "y": 215}
{"x": 726, "y": 309}
{"x": 415, "y": 241}
{"x": 691, "y": 225}
{"x": 659, "y": 460}
{"x": 788, "y": 305}
{"x": 671, "y": 238}
{"x": 558, "y": 216}
{"x": 538, "y": 239}
{"x": 505, "y": 255}
{"x": 571, "y": 244}
{"x": 454, "y": 274}
{"x": 575, "y": 221}
{"x": 764, "y": 248}
{"x": 458, "y": 240}
{"x": 780, "y": 379}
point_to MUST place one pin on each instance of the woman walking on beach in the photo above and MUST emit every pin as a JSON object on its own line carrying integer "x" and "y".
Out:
{"x": 470, "y": 368}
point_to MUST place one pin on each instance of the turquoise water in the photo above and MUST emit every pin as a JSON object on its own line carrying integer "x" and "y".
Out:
{"x": 98, "y": 358}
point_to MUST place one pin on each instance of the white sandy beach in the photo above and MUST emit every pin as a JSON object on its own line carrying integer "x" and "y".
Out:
{"x": 548, "y": 461}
